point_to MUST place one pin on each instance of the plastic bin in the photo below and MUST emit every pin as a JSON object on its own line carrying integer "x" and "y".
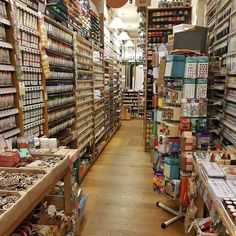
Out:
{"x": 171, "y": 168}
{"x": 175, "y": 66}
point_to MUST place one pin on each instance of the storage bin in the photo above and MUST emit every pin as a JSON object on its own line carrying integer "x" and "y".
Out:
{"x": 191, "y": 67}
{"x": 175, "y": 66}
{"x": 168, "y": 129}
{"x": 171, "y": 168}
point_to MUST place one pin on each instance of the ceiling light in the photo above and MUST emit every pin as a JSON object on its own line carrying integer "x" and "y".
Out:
{"x": 123, "y": 36}
{"x": 129, "y": 43}
{"x": 116, "y": 23}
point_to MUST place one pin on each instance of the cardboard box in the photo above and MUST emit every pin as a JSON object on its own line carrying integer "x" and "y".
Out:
{"x": 125, "y": 114}
{"x": 194, "y": 38}
{"x": 142, "y": 3}
{"x": 182, "y": 28}
{"x": 186, "y": 141}
{"x": 168, "y": 129}
{"x": 186, "y": 161}
{"x": 155, "y": 59}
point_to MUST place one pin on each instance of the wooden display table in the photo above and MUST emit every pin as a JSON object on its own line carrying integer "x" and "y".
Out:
{"x": 29, "y": 198}
{"x": 219, "y": 207}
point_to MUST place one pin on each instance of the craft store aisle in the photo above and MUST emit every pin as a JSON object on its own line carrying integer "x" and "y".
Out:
{"x": 121, "y": 199}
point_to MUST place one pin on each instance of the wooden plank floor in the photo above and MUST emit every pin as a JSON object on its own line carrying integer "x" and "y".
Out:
{"x": 121, "y": 199}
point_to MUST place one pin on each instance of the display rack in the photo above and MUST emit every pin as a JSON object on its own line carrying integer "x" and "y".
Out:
{"x": 79, "y": 17}
{"x": 29, "y": 73}
{"x": 99, "y": 100}
{"x": 60, "y": 84}
{"x": 219, "y": 18}
{"x": 158, "y": 27}
{"x": 9, "y": 95}
{"x": 84, "y": 94}
{"x": 131, "y": 100}
{"x": 31, "y": 197}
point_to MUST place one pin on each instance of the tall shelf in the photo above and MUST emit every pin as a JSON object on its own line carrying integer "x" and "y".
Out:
{"x": 159, "y": 25}
{"x": 29, "y": 72}
{"x": 60, "y": 84}
{"x": 84, "y": 94}
{"x": 9, "y": 96}
{"x": 99, "y": 100}
{"x": 219, "y": 15}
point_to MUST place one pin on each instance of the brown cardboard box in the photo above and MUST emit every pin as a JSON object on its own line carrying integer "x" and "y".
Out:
{"x": 186, "y": 141}
{"x": 142, "y": 3}
{"x": 170, "y": 130}
{"x": 155, "y": 59}
{"x": 186, "y": 161}
{"x": 125, "y": 113}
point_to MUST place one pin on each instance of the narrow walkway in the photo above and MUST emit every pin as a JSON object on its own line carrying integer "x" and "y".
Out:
{"x": 121, "y": 199}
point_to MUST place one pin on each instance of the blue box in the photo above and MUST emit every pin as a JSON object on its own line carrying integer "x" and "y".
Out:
{"x": 175, "y": 66}
{"x": 171, "y": 167}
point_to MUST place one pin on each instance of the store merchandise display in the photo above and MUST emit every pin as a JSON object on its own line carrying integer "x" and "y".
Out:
{"x": 37, "y": 169}
{"x": 84, "y": 93}
{"x": 52, "y": 78}
{"x": 8, "y": 124}
{"x": 212, "y": 183}
{"x": 160, "y": 24}
{"x": 219, "y": 18}
{"x": 132, "y": 101}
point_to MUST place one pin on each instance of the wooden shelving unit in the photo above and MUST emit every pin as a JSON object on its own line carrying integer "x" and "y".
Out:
{"x": 60, "y": 105}
{"x": 158, "y": 31}
{"x": 11, "y": 120}
{"x": 99, "y": 100}
{"x": 30, "y": 198}
{"x": 84, "y": 94}
{"x": 219, "y": 17}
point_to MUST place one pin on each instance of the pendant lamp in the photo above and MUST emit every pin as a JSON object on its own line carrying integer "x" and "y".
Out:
{"x": 116, "y": 23}
{"x": 123, "y": 36}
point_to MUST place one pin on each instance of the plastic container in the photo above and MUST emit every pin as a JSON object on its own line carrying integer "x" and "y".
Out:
{"x": 175, "y": 66}
{"x": 171, "y": 168}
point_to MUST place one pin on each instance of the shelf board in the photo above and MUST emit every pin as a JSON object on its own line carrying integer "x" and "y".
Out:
{"x": 53, "y": 37}
{"x": 5, "y": 21}
{"x": 84, "y": 95}
{"x": 61, "y": 120}
{"x": 85, "y": 72}
{"x": 61, "y": 107}
{"x": 5, "y": 45}
{"x": 60, "y": 94}
{"x": 11, "y": 133}
{"x": 84, "y": 102}
{"x": 36, "y": 123}
{"x": 160, "y": 29}
{"x": 8, "y": 112}
{"x": 51, "y": 51}
{"x": 83, "y": 116}
{"x": 6, "y": 67}
{"x": 7, "y": 90}
{"x": 84, "y": 109}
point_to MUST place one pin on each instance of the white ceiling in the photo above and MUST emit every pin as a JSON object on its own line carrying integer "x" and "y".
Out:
{"x": 128, "y": 13}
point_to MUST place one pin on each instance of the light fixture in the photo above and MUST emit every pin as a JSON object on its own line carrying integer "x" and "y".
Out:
{"x": 116, "y": 23}
{"x": 123, "y": 36}
{"x": 129, "y": 43}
